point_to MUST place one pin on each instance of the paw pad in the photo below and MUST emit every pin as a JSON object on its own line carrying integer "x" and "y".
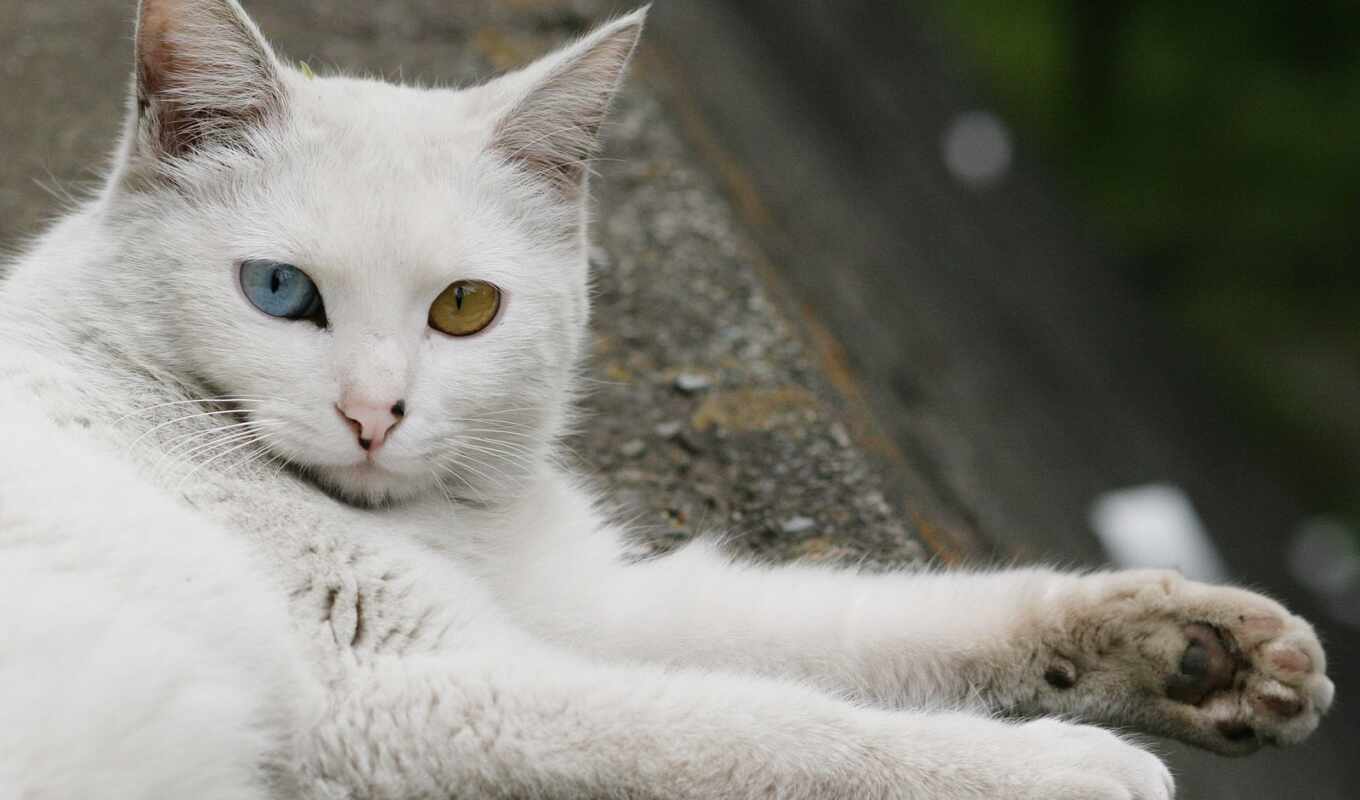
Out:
{"x": 1061, "y": 674}
{"x": 1255, "y": 678}
{"x": 1206, "y": 666}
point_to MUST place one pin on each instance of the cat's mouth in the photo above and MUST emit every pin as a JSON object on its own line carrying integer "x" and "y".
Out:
{"x": 368, "y": 483}
{"x": 370, "y": 468}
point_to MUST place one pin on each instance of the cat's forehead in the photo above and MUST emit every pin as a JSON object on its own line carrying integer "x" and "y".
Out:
{"x": 378, "y": 173}
{"x": 368, "y": 230}
{"x": 366, "y": 153}
{"x": 385, "y": 119}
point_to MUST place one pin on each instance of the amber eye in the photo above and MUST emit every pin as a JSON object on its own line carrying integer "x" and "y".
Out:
{"x": 465, "y": 308}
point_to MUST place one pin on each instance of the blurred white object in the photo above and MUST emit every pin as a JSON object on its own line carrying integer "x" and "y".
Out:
{"x": 1156, "y": 526}
{"x": 977, "y": 148}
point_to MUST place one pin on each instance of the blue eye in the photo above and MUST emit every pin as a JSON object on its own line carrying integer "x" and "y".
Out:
{"x": 281, "y": 290}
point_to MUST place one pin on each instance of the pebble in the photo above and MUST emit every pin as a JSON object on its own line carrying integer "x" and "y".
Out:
{"x": 633, "y": 448}
{"x": 669, "y": 430}
{"x": 599, "y": 257}
{"x": 876, "y": 503}
{"x": 692, "y": 382}
{"x": 634, "y": 476}
{"x": 798, "y": 524}
{"x": 689, "y": 443}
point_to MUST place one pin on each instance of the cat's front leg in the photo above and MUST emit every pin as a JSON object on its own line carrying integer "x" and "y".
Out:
{"x": 1219, "y": 667}
{"x": 1216, "y": 666}
{"x": 531, "y": 723}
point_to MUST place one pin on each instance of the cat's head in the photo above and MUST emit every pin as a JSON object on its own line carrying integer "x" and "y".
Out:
{"x": 392, "y": 279}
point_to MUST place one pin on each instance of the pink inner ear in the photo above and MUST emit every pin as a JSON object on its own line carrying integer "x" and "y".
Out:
{"x": 155, "y": 34}
{"x": 554, "y": 129}
{"x": 203, "y": 72}
{"x": 155, "y": 57}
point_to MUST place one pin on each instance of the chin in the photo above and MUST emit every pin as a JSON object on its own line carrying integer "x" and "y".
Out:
{"x": 368, "y": 485}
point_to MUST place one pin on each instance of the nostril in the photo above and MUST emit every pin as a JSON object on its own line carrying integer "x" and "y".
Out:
{"x": 353, "y": 423}
{"x": 399, "y": 409}
{"x": 365, "y": 443}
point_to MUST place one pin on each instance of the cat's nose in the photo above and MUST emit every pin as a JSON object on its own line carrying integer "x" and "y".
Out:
{"x": 371, "y": 423}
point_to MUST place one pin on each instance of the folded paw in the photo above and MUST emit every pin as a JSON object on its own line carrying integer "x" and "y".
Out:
{"x": 1059, "y": 761}
{"x": 1220, "y": 667}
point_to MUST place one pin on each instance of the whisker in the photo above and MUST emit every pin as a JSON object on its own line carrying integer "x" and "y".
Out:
{"x": 192, "y": 441}
{"x": 214, "y": 444}
{"x": 512, "y": 446}
{"x": 466, "y": 482}
{"x": 503, "y": 432}
{"x": 509, "y": 458}
{"x": 501, "y": 475}
{"x": 193, "y": 471}
{"x": 180, "y": 441}
{"x": 443, "y": 490}
{"x": 198, "y": 400}
{"x": 465, "y": 465}
{"x": 253, "y": 458}
{"x": 177, "y": 420}
{"x": 496, "y": 412}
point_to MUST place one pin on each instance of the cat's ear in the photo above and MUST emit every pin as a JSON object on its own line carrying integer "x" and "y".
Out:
{"x": 205, "y": 75}
{"x": 559, "y": 102}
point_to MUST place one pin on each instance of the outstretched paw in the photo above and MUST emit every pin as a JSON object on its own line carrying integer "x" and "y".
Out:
{"x": 1220, "y": 667}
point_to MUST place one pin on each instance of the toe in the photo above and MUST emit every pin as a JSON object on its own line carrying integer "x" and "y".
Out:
{"x": 1274, "y": 698}
{"x": 1287, "y": 660}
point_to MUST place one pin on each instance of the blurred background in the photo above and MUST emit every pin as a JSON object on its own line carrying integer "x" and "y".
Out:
{"x": 973, "y": 281}
{"x": 1093, "y": 264}
{"x": 1215, "y": 148}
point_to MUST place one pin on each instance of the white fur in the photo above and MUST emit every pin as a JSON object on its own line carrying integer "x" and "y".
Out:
{"x": 212, "y": 592}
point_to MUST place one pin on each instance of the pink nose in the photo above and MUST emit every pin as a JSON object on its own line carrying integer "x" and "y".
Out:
{"x": 372, "y": 424}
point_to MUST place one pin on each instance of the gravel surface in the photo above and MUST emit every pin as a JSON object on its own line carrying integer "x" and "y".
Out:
{"x": 709, "y": 414}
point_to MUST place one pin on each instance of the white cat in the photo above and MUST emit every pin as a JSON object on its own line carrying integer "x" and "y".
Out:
{"x": 371, "y": 302}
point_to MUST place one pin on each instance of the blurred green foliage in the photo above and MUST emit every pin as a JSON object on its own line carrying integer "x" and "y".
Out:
{"x": 1218, "y": 144}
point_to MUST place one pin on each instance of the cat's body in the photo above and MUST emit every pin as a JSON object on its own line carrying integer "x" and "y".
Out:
{"x": 191, "y": 615}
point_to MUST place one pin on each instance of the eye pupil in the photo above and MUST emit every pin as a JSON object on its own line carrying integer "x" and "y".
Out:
{"x": 275, "y": 280}
{"x": 458, "y": 298}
